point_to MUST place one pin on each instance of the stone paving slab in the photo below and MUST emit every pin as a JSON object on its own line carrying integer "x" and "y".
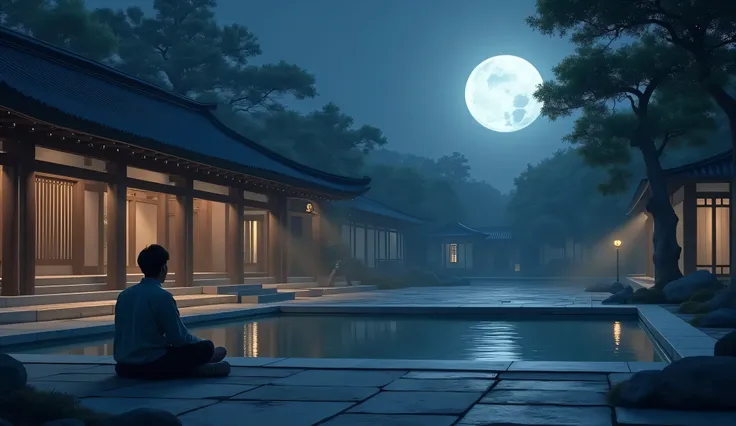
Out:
{"x": 509, "y": 415}
{"x": 440, "y": 385}
{"x": 169, "y": 389}
{"x": 308, "y": 393}
{"x": 121, "y": 405}
{"x": 375, "y": 378}
{"x": 349, "y": 419}
{"x": 286, "y": 413}
{"x": 418, "y": 403}
{"x": 449, "y": 375}
{"x": 578, "y": 377}
{"x": 559, "y": 385}
{"x": 569, "y": 366}
{"x": 545, "y": 397}
{"x": 638, "y": 417}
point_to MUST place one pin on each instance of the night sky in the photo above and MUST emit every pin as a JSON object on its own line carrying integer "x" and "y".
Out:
{"x": 402, "y": 67}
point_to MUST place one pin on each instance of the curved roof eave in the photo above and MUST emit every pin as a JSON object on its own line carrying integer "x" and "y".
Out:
{"x": 34, "y": 68}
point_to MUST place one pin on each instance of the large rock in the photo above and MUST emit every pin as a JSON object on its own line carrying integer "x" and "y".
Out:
{"x": 692, "y": 383}
{"x": 142, "y": 416}
{"x": 720, "y": 318}
{"x": 13, "y": 374}
{"x": 612, "y": 288}
{"x": 726, "y": 345}
{"x": 619, "y": 298}
{"x": 723, "y": 299}
{"x": 682, "y": 289}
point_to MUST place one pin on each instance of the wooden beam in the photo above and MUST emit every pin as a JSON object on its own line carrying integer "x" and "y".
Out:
{"x": 117, "y": 227}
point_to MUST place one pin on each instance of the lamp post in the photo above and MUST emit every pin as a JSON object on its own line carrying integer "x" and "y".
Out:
{"x": 617, "y": 243}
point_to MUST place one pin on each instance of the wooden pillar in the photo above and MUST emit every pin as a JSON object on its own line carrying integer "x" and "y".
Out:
{"x": 318, "y": 241}
{"x": 183, "y": 232}
{"x": 10, "y": 235}
{"x": 19, "y": 220}
{"x": 278, "y": 228}
{"x": 234, "y": 237}
{"x": 117, "y": 198}
{"x": 78, "y": 228}
{"x": 689, "y": 228}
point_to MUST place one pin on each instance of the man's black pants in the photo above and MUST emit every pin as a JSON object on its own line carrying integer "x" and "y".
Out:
{"x": 177, "y": 362}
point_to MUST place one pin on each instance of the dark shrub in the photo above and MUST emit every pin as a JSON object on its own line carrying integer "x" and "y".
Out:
{"x": 30, "y": 406}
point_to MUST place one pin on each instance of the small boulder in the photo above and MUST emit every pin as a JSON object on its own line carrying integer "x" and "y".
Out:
{"x": 720, "y": 318}
{"x": 143, "y": 416}
{"x": 699, "y": 383}
{"x": 683, "y": 289}
{"x": 65, "y": 422}
{"x": 726, "y": 345}
{"x": 13, "y": 373}
{"x": 612, "y": 288}
{"x": 692, "y": 383}
{"x": 619, "y": 298}
{"x": 640, "y": 390}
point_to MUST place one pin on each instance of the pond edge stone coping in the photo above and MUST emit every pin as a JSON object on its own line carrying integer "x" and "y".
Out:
{"x": 676, "y": 338}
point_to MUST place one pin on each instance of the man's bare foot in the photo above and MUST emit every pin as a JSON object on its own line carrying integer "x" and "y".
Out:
{"x": 219, "y": 355}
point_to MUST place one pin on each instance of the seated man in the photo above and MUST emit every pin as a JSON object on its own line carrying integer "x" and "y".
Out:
{"x": 151, "y": 342}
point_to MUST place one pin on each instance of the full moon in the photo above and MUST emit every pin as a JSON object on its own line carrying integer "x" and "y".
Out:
{"x": 500, "y": 93}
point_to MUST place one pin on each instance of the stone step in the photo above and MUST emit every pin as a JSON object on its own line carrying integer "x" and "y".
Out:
{"x": 70, "y": 288}
{"x": 258, "y": 280}
{"x": 268, "y": 298}
{"x": 291, "y": 286}
{"x": 328, "y": 291}
{"x": 211, "y": 281}
{"x": 64, "y": 311}
{"x": 302, "y": 292}
{"x": 241, "y": 289}
{"x": 299, "y": 279}
{"x": 100, "y": 278}
{"x": 81, "y": 297}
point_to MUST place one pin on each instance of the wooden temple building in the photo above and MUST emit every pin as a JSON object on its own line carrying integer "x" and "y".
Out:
{"x": 97, "y": 164}
{"x": 700, "y": 195}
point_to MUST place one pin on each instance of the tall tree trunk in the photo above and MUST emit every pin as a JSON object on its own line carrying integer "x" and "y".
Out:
{"x": 728, "y": 104}
{"x": 666, "y": 250}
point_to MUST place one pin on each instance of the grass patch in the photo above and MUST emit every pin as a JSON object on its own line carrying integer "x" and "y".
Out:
{"x": 695, "y": 322}
{"x": 692, "y": 307}
{"x": 645, "y": 296}
{"x": 31, "y": 407}
{"x": 704, "y": 295}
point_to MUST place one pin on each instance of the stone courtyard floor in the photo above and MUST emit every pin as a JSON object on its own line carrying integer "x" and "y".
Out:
{"x": 271, "y": 392}
{"x": 341, "y": 392}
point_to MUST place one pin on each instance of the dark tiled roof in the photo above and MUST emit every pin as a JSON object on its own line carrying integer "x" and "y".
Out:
{"x": 367, "y": 205}
{"x": 457, "y": 229}
{"x": 154, "y": 118}
{"x": 496, "y": 232}
{"x": 715, "y": 167}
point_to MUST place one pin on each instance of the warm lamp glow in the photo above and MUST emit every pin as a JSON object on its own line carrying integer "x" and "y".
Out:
{"x": 617, "y": 243}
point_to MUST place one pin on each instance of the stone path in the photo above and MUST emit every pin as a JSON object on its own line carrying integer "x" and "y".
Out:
{"x": 715, "y": 333}
{"x": 276, "y": 396}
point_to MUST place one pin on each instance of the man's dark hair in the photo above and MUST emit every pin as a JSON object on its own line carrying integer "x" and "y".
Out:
{"x": 152, "y": 259}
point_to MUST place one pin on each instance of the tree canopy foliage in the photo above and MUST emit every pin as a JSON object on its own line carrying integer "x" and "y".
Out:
{"x": 182, "y": 48}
